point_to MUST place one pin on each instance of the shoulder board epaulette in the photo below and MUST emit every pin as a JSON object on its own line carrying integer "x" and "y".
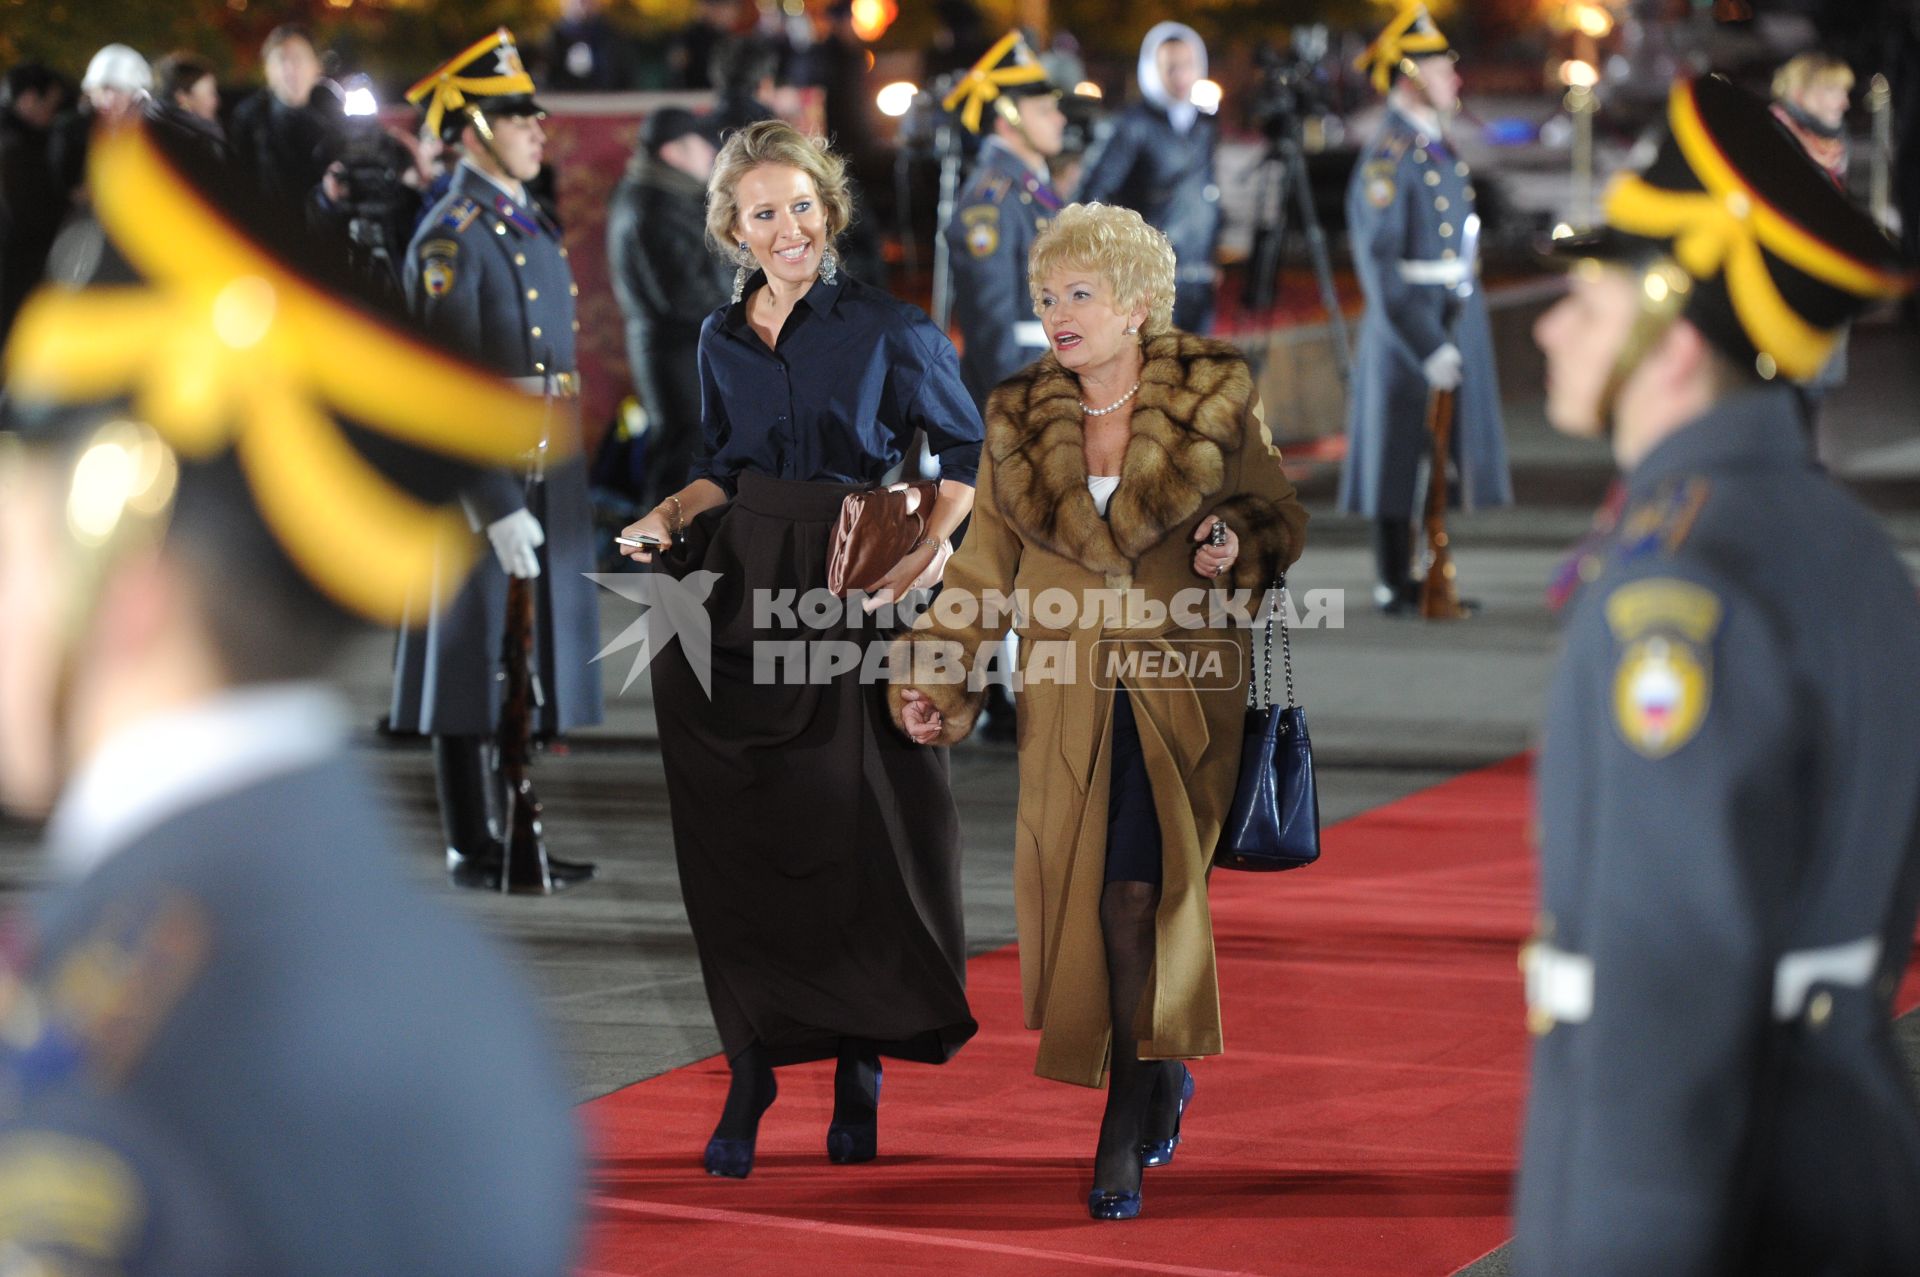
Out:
{"x": 1661, "y": 523}
{"x": 460, "y": 214}
{"x": 992, "y": 188}
{"x": 1395, "y": 145}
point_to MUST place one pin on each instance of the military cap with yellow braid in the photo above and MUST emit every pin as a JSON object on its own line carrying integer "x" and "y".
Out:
{"x": 487, "y": 76}
{"x": 185, "y": 366}
{"x": 1007, "y": 72}
{"x": 1751, "y": 242}
{"x": 1411, "y": 36}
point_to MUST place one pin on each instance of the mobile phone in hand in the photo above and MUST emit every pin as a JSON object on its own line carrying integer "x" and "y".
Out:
{"x": 640, "y": 543}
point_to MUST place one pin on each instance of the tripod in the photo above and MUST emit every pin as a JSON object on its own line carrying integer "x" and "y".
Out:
{"x": 1281, "y": 172}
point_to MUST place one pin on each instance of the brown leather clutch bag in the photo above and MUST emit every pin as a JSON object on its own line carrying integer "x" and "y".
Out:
{"x": 875, "y": 531}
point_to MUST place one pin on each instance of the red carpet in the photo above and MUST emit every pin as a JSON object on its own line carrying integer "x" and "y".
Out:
{"x": 1363, "y": 1122}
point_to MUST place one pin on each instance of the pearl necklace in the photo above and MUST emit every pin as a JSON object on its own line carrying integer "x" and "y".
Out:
{"x": 1115, "y": 406}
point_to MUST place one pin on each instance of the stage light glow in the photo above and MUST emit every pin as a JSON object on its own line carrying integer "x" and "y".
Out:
{"x": 1206, "y": 95}
{"x": 896, "y": 99}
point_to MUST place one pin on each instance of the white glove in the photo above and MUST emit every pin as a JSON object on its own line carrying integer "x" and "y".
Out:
{"x": 1443, "y": 367}
{"x": 515, "y": 538}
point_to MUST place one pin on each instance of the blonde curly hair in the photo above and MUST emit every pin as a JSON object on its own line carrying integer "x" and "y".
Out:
{"x": 1133, "y": 258}
{"x": 765, "y": 143}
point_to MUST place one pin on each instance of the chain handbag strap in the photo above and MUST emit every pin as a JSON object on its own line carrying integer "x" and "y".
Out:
{"x": 1264, "y": 690}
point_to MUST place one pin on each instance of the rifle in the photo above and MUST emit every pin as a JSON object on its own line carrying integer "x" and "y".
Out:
{"x": 1439, "y": 596}
{"x": 1439, "y": 599}
{"x": 526, "y": 868}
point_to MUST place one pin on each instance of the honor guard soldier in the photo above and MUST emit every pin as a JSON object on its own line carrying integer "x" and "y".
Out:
{"x": 234, "y": 1039}
{"x": 1729, "y": 793}
{"x": 488, "y": 273}
{"x": 1415, "y": 236}
{"x": 1007, "y": 102}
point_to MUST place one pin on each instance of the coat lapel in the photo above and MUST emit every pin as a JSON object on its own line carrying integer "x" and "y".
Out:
{"x": 1194, "y": 393}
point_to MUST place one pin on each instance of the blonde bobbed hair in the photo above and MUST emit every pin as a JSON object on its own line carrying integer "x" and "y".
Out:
{"x": 773, "y": 143}
{"x": 1134, "y": 259}
{"x": 1810, "y": 71}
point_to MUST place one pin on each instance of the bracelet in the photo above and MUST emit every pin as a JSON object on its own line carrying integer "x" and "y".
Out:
{"x": 679, "y": 518}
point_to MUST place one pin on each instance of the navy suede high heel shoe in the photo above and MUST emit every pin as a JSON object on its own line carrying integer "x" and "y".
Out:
{"x": 731, "y": 1158}
{"x": 850, "y": 1142}
{"x": 1160, "y": 1152}
{"x": 1105, "y": 1205}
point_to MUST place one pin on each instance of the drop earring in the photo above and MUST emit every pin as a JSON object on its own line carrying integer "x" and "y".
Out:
{"x": 743, "y": 269}
{"x": 829, "y": 267}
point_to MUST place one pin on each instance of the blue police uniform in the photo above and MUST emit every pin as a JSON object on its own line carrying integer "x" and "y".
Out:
{"x": 489, "y": 275}
{"x": 1729, "y": 796}
{"x": 237, "y": 1041}
{"x": 1001, "y": 211}
{"x": 1410, "y": 216}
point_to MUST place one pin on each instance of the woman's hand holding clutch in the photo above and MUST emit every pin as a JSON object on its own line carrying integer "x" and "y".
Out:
{"x": 924, "y": 722}
{"x": 919, "y": 569}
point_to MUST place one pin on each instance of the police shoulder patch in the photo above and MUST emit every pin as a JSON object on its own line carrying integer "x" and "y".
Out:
{"x": 1663, "y": 681}
{"x": 67, "y": 1195}
{"x": 436, "y": 276}
{"x": 983, "y": 229}
{"x": 440, "y": 248}
{"x": 1378, "y": 182}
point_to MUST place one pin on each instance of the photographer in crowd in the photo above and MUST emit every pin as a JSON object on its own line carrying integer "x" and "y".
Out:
{"x": 284, "y": 135}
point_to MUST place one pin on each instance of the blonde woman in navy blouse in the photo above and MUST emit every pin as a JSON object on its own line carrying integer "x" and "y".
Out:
{"x": 818, "y": 849}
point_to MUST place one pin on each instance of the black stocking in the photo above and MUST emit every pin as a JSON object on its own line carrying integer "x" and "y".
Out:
{"x": 752, "y": 1090}
{"x": 1127, "y": 911}
{"x": 856, "y": 1084}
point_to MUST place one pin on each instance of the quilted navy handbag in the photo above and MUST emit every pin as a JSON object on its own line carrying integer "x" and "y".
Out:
{"x": 1275, "y": 819}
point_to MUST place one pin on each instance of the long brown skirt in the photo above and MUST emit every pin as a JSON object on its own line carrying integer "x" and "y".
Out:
{"x": 819, "y": 849}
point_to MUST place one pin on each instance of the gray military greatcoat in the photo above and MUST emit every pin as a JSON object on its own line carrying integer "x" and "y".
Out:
{"x": 490, "y": 275}
{"x": 1410, "y": 216}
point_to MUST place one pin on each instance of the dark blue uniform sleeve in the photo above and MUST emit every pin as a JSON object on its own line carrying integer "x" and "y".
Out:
{"x": 1380, "y": 202}
{"x": 446, "y": 292}
{"x": 988, "y": 249}
{"x": 1694, "y": 823}
{"x": 937, "y": 402}
{"x": 715, "y": 428}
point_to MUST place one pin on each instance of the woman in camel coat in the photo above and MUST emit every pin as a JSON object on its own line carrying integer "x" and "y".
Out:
{"x": 1106, "y": 465}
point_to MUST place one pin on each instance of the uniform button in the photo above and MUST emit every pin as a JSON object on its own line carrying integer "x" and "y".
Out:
{"x": 563, "y": 250}
{"x": 499, "y": 228}
{"x": 1420, "y": 156}
{"x": 539, "y": 367}
{"x": 519, "y": 259}
{"x": 1440, "y": 204}
{"x": 1461, "y": 169}
{"x": 533, "y": 294}
{"x": 1819, "y": 1010}
{"x": 576, "y": 325}
{"x": 573, "y": 290}
{"x": 1447, "y": 254}
{"x": 1433, "y": 178}
{"x": 1420, "y": 141}
{"x": 1446, "y": 230}
{"x": 1469, "y": 190}
{"x": 535, "y": 330}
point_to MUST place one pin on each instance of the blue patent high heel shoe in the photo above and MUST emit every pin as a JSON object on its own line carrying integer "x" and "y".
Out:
{"x": 1105, "y": 1205}
{"x": 733, "y": 1158}
{"x": 850, "y": 1142}
{"x": 1160, "y": 1152}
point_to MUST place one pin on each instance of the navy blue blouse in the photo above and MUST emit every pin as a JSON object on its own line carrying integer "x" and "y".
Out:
{"x": 854, "y": 373}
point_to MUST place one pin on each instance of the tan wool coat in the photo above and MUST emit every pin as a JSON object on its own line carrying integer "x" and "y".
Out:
{"x": 1198, "y": 447}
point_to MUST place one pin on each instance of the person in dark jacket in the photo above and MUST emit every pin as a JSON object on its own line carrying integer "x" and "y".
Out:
{"x": 667, "y": 282}
{"x": 1159, "y": 162}
{"x": 32, "y": 201}
{"x": 283, "y": 136}
{"x": 186, "y": 100}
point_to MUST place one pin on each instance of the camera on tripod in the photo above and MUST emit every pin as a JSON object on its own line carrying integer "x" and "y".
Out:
{"x": 1289, "y": 90}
